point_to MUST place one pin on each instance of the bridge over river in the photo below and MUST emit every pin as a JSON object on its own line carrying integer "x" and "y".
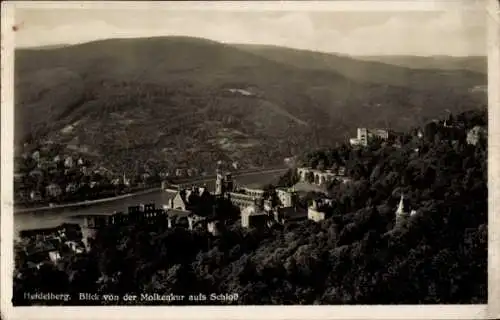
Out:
{"x": 51, "y": 217}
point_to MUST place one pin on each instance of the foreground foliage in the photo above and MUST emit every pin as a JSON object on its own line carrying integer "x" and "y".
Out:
{"x": 356, "y": 256}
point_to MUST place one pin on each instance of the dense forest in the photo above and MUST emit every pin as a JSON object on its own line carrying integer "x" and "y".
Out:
{"x": 358, "y": 255}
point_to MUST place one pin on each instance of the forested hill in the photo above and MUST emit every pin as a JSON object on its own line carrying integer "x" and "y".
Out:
{"x": 186, "y": 100}
{"x": 356, "y": 256}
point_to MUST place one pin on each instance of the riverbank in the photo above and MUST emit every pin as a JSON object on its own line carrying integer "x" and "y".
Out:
{"x": 87, "y": 202}
{"x": 128, "y": 195}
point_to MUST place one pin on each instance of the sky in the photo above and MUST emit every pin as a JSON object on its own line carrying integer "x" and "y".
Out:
{"x": 453, "y": 31}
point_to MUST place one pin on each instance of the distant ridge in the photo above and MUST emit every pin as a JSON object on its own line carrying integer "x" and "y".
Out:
{"x": 376, "y": 71}
{"x": 470, "y": 63}
{"x": 46, "y": 47}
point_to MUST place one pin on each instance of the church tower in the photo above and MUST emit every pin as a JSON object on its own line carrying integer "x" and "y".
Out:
{"x": 402, "y": 210}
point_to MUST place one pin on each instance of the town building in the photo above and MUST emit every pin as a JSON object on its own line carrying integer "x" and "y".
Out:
{"x": 53, "y": 190}
{"x": 284, "y": 215}
{"x": 254, "y": 217}
{"x": 242, "y": 200}
{"x": 69, "y": 162}
{"x": 85, "y": 170}
{"x": 42, "y": 234}
{"x": 214, "y": 227}
{"x": 317, "y": 210}
{"x": 256, "y": 209}
{"x": 41, "y": 253}
{"x": 36, "y": 173}
{"x": 44, "y": 245}
{"x": 71, "y": 187}
{"x": 43, "y": 163}
{"x": 75, "y": 247}
{"x": 223, "y": 183}
{"x": 240, "y": 197}
{"x": 191, "y": 221}
{"x": 476, "y": 133}
{"x": 54, "y": 256}
{"x": 287, "y": 196}
{"x": 364, "y": 136}
{"x": 35, "y": 195}
{"x": 36, "y": 155}
{"x": 180, "y": 172}
{"x": 188, "y": 199}
{"x": 149, "y": 214}
{"x": 321, "y": 177}
{"x": 285, "y": 210}
{"x": 140, "y": 214}
{"x": 196, "y": 222}
{"x": 313, "y": 212}
{"x": 290, "y": 161}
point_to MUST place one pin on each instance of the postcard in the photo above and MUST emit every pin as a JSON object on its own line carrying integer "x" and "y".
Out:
{"x": 251, "y": 160}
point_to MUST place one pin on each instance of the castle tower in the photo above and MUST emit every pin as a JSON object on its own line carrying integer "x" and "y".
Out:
{"x": 219, "y": 183}
{"x": 363, "y": 136}
{"x": 228, "y": 185}
{"x": 286, "y": 197}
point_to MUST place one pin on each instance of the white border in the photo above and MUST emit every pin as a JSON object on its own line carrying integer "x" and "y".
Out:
{"x": 249, "y": 312}
{"x": 493, "y": 16}
{"x": 340, "y": 5}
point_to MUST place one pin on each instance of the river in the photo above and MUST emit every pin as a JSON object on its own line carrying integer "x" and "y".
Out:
{"x": 54, "y": 217}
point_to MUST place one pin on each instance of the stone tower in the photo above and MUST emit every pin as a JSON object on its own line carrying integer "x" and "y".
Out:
{"x": 287, "y": 197}
{"x": 219, "y": 183}
{"x": 228, "y": 182}
{"x": 363, "y": 136}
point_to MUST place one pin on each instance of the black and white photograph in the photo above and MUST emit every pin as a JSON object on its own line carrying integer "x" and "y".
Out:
{"x": 248, "y": 154}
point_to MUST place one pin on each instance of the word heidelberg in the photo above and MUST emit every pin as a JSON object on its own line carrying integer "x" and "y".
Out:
{"x": 156, "y": 297}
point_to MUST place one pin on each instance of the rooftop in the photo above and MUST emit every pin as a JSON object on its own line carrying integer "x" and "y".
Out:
{"x": 253, "y": 211}
{"x": 177, "y": 213}
{"x": 308, "y": 187}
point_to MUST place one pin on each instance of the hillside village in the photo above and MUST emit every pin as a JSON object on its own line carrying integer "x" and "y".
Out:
{"x": 376, "y": 188}
{"x": 48, "y": 175}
